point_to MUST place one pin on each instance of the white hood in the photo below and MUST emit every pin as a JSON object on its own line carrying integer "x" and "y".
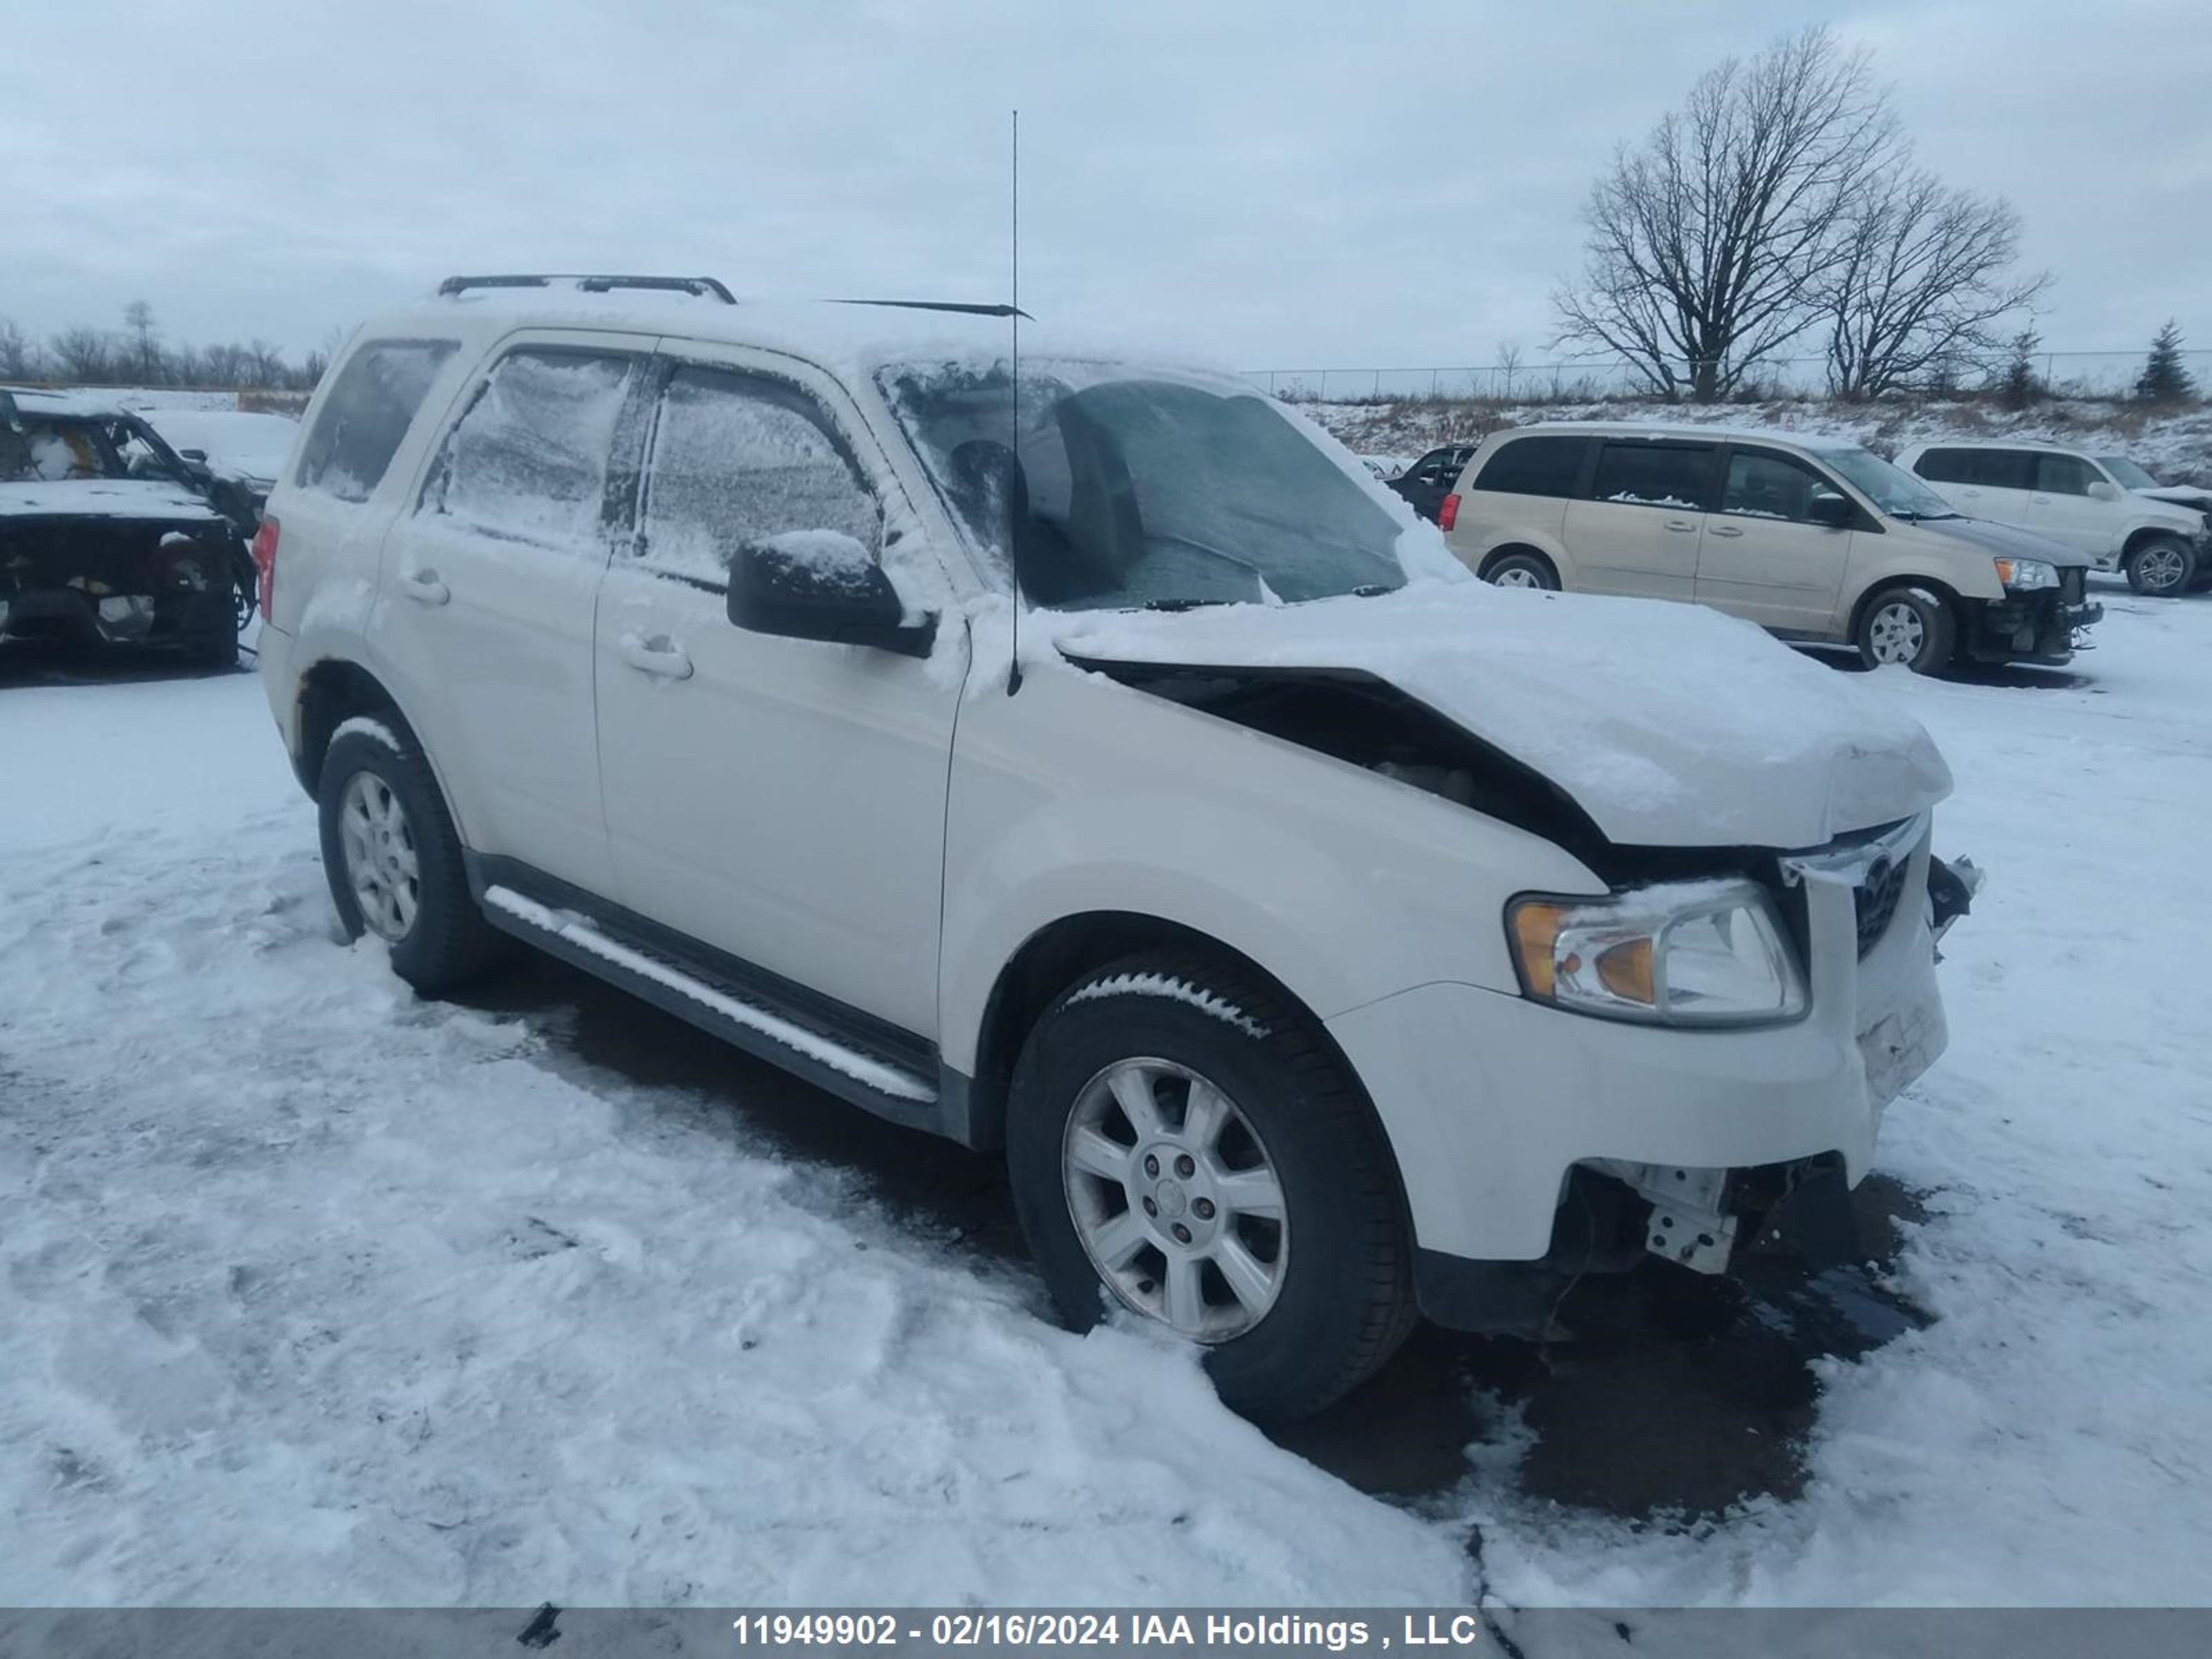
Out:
{"x": 1670, "y": 724}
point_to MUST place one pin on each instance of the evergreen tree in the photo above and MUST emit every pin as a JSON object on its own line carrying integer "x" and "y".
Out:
{"x": 2022, "y": 385}
{"x": 2164, "y": 379}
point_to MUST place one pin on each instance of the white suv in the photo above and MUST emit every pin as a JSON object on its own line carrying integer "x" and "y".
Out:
{"x": 2074, "y": 497}
{"x": 1322, "y": 935}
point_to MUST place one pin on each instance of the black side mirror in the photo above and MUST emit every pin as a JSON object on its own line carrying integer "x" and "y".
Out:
{"x": 822, "y": 586}
{"x": 1829, "y": 509}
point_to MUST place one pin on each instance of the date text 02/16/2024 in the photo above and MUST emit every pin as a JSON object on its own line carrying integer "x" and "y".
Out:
{"x": 972, "y": 1629}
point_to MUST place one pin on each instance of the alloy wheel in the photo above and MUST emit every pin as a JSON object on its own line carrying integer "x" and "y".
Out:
{"x": 380, "y": 863}
{"x": 1175, "y": 1199}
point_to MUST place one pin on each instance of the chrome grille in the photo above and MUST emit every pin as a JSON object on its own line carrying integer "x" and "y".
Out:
{"x": 1874, "y": 900}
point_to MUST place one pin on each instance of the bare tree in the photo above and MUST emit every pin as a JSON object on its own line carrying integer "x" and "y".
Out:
{"x": 1918, "y": 277}
{"x": 265, "y": 363}
{"x": 1509, "y": 362}
{"x": 20, "y": 357}
{"x": 1703, "y": 241}
{"x": 146, "y": 349}
{"x": 85, "y": 355}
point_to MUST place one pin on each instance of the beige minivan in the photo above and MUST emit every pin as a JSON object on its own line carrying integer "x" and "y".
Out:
{"x": 1819, "y": 541}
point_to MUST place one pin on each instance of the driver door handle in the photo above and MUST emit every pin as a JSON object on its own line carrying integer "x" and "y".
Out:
{"x": 424, "y": 588}
{"x": 1723, "y": 530}
{"x": 1681, "y": 525}
{"x": 659, "y": 656}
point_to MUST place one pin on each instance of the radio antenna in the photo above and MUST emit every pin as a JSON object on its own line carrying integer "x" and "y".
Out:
{"x": 1014, "y": 400}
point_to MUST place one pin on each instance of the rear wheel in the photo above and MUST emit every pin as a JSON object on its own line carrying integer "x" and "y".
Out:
{"x": 1184, "y": 1146}
{"x": 1522, "y": 570}
{"x": 2160, "y": 567}
{"x": 1907, "y": 626}
{"x": 394, "y": 863}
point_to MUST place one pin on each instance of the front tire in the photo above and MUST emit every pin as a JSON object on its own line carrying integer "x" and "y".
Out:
{"x": 1184, "y": 1143}
{"x": 1522, "y": 570}
{"x": 394, "y": 862}
{"x": 2160, "y": 567}
{"x": 1907, "y": 626}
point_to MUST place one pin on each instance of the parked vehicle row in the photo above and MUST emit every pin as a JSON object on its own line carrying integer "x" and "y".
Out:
{"x": 1815, "y": 540}
{"x": 1322, "y": 937}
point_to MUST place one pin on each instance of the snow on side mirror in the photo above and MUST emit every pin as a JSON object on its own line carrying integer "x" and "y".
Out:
{"x": 821, "y": 584}
{"x": 2104, "y": 492}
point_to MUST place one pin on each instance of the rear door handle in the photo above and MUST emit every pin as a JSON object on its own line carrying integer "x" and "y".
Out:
{"x": 1723, "y": 530}
{"x": 1682, "y": 524}
{"x": 424, "y": 588}
{"x": 658, "y": 656}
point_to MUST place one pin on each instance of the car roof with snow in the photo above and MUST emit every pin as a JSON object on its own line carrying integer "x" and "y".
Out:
{"x": 1677, "y": 431}
{"x": 68, "y": 406}
{"x": 854, "y": 336}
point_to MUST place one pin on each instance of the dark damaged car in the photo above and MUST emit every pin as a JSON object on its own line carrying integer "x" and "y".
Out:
{"x": 89, "y": 551}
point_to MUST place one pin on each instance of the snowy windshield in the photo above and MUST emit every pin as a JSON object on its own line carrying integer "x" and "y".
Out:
{"x": 1128, "y": 489}
{"x": 2126, "y": 473}
{"x": 1892, "y": 489}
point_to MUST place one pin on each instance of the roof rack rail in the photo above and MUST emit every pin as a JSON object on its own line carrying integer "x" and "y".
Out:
{"x": 698, "y": 286}
{"x": 965, "y": 306}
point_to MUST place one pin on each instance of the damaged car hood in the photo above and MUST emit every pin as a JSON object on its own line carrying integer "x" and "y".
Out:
{"x": 103, "y": 498}
{"x": 1668, "y": 725}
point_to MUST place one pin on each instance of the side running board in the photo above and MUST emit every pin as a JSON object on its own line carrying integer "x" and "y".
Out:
{"x": 875, "y": 1083}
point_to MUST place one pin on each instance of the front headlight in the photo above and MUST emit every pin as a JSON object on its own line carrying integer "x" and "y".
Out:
{"x": 2022, "y": 575}
{"x": 1682, "y": 953}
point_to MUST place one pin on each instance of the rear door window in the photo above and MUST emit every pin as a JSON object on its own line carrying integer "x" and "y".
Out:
{"x": 361, "y": 424}
{"x": 2063, "y": 475}
{"x": 1676, "y": 475}
{"x": 1534, "y": 466}
{"x": 739, "y": 458}
{"x": 1984, "y": 468}
{"x": 528, "y": 458}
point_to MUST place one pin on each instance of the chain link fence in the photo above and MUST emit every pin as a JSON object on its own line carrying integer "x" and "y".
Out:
{"x": 2068, "y": 373}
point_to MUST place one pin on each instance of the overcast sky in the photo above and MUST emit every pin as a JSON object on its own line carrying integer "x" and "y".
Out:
{"x": 1283, "y": 183}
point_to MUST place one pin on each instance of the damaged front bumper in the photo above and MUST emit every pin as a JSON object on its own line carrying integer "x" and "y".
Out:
{"x": 2046, "y": 627}
{"x": 116, "y": 581}
{"x": 1591, "y": 1148}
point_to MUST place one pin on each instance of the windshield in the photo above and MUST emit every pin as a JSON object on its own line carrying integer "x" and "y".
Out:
{"x": 1892, "y": 489}
{"x": 2126, "y": 473}
{"x": 1131, "y": 489}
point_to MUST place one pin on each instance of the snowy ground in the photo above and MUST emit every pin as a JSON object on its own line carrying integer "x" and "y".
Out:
{"x": 310, "y": 1292}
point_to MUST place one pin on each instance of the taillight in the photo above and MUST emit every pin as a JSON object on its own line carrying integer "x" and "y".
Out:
{"x": 1446, "y": 515}
{"x": 264, "y": 560}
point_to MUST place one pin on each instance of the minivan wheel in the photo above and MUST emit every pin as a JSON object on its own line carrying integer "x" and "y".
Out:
{"x": 1908, "y": 626}
{"x": 1520, "y": 570}
{"x": 394, "y": 863}
{"x": 1184, "y": 1146}
{"x": 2162, "y": 567}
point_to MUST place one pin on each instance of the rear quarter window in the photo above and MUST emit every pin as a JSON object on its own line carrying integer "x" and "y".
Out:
{"x": 1534, "y": 466}
{"x": 1988, "y": 469}
{"x": 362, "y": 422}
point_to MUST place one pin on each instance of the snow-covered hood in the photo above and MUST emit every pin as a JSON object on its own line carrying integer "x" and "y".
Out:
{"x": 1670, "y": 724}
{"x": 2005, "y": 541}
{"x": 2181, "y": 494}
{"x": 103, "y": 498}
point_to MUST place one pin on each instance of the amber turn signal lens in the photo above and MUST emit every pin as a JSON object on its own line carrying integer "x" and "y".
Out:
{"x": 1535, "y": 931}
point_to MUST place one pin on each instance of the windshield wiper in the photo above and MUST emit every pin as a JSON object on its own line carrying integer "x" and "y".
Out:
{"x": 1184, "y": 604}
